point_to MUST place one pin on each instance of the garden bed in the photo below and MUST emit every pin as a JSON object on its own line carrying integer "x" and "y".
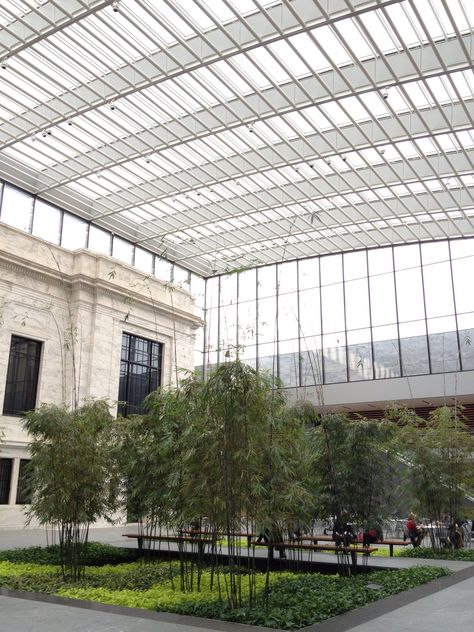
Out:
{"x": 292, "y": 601}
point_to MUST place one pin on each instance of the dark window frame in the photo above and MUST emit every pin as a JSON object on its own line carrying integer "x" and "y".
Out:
{"x": 6, "y": 471}
{"x": 23, "y": 491}
{"x": 21, "y": 388}
{"x": 140, "y": 372}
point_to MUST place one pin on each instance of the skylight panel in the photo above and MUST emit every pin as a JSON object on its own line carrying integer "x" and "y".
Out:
{"x": 227, "y": 73}
{"x": 273, "y": 69}
{"x": 84, "y": 190}
{"x": 170, "y": 18}
{"x": 461, "y": 11}
{"x": 219, "y": 10}
{"x": 26, "y": 98}
{"x": 354, "y": 160}
{"x": 464, "y": 82}
{"x": 349, "y": 31}
{"x": 332, "y": 46}
{"x": 266, "y": 132}
{"x": 289, "y": 59}
{"x": 318, "y": 119}
{"x": 59, "y": 72}
{"x": 355, "y": 108}
{"x": 407, "y": 149}
{"x": 374, "y": 104}
{"x": 408, "y": 28}
{"x": 176, "y": 95}
{"x": 281, "y": 126}
{"x": 312, "y": 55}
{"x": 123, "y": 177}
{"x": 190, "y": 156}
{"x": 426, "y": 146}
{"x": 250, "y": 137}
{"x": 466, "y": 139}
{"x": 206, "y": 97}
{"x": 143, "y": 13}
{"x": 380, "y": 31}
{"x": 214, "y": 84}
{"x": 298, "y": 121}
{"x": 100, "y": 129}
{"x": 447, "y": 142}
{"x": 276, "y": 177}
{"x": 29, "y": 156}
{"x": 335, "y": 114}
{"x": 435, "y": 18}
{"x": 250, "y": 71}
{"x": 418, "y": 95}
{"x": 72, "y": 41}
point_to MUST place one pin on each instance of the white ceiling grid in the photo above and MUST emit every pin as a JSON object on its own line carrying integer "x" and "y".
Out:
{"x": 231, "y": 133}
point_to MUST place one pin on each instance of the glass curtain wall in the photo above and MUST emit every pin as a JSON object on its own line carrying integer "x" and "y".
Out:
{"x": 372, "y": 314}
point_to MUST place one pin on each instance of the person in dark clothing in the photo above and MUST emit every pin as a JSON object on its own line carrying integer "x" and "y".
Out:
{"x": 342, "y": 533}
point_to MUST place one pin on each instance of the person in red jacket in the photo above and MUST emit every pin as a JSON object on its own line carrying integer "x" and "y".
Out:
{"x": 415, "y": 533}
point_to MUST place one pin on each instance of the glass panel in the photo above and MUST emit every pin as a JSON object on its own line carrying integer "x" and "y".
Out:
{"x": 212, "y": 292}
{"x": 228, "y": 289}
{"x": 143, "y": 260}
{"x": 198, "y": 288}
{"x": 359, "y": 354}
{"x": 22, "y": 376}
{"x": 23, "y": 492}
{"x": 410, "y": 295}
{"x": 267, "y": 358}
{"x": 163, "y": 269}
{"x": 331, "y": 269}
{"x": 308, "y": 273}
{"x": 334, "y": 356}
{"x": 74, "y": 232}
{"x": 289, "y": 363}
{"x": 407, "y": 257}
{"x": 311, "y": 361}
{"x": 267, "y": 326}
{"x": 181, "y": 277}
{"x": 287, "y": 277}
{"x": 382, "y": 299}
{"x": 288, "y": 316}
{"x": 380, "y": 261}
{"x": 266, "y": 281}
{"x": 5, "y": 480}
{"x": 443, "y": 345}
{"x": 247, "y": 323}
{"x": 466, "y": 340}
{"x": 46, "y": 221}
{"x": 414, "y": 348}
{"x": 438, "y": 289}
{"x": 212, "y": 322}
{"x": 99, "y": 240}
{"x": 17, "y": 208}
{"x": 357, "y": 304}
{"x": 434, "y": 252}
{"x": 355, "y": 265}
{"x": 463, "y": 268}
{"x": 332, "y": 307}
{"x": 386, "y": 352}
{"x": 228, "y": 328}
{"x": 310, "y": 313}
{"x": 122, "y": 250}
{"x": 247, "y": 285}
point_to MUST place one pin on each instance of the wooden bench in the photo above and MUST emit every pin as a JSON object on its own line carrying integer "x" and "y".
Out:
{"x": 394, "y": 542}
{"x": 237, "y": 534}
{"x": 352, "y": 550}
{"x": 179, "y": 539}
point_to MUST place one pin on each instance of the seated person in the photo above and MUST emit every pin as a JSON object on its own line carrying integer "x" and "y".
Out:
{"x": 415, "y": 533}
{"x": 373, "y": 535}
{"x": 342, "y": 533}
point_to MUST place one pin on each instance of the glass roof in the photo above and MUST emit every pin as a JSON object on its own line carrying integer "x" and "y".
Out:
{"x": 234, "y": 133}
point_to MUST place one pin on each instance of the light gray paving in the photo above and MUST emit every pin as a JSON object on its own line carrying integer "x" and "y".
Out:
{"x": 439, "y": 612}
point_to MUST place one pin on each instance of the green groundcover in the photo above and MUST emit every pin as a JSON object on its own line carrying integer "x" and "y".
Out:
{"x": 289, "y": 601}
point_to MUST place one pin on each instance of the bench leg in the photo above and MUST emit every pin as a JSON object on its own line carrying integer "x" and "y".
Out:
{"x": 140, "y": 545}
{"x": 391, "y": 549}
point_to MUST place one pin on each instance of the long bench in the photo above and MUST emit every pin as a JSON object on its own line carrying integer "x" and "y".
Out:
{"x": 394, "y": 542}
{"x": 391, "y": 542}
{"x": 178, "y": 539}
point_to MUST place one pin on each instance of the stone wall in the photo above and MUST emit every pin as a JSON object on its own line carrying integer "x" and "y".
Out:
{"x": 79, "y": 304}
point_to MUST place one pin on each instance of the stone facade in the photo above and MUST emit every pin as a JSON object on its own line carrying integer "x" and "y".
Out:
{"x": 78, "y": 304}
